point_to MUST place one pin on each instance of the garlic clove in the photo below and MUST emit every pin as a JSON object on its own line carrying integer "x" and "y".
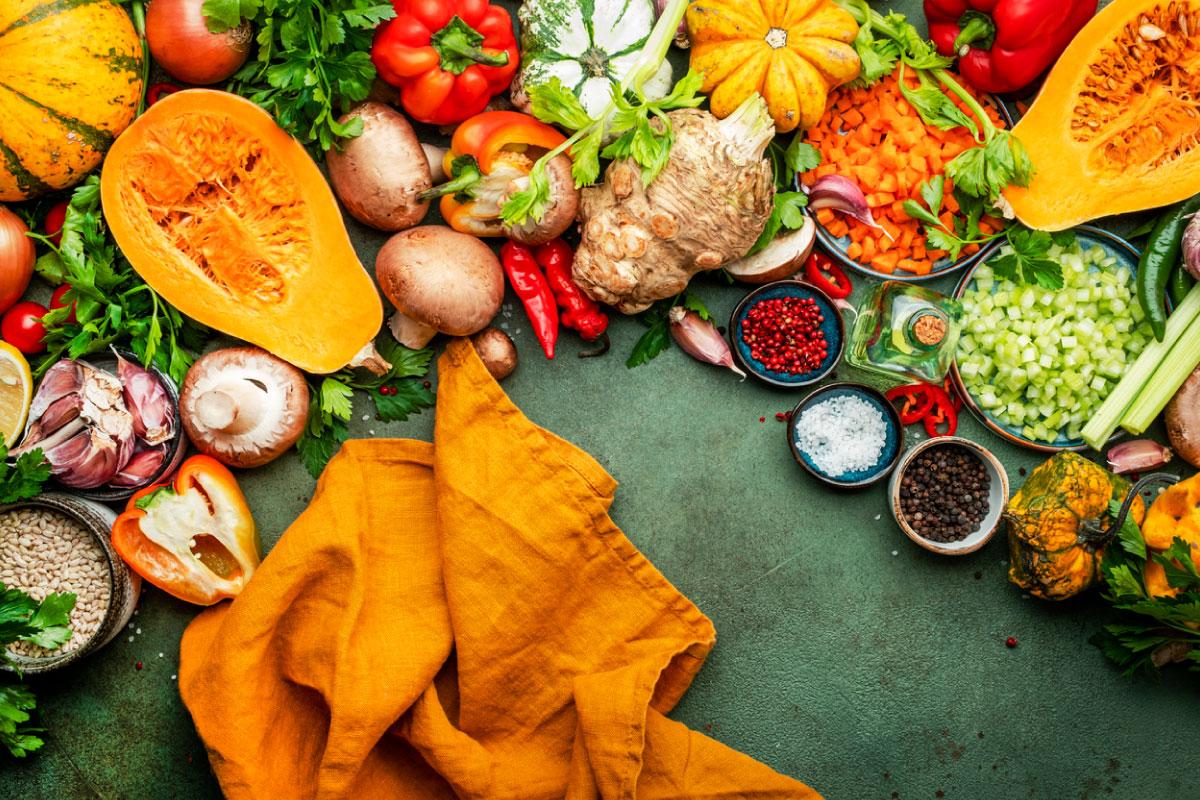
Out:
{"x": 147, "y": 401}
{"x": 141, "y": 468}
{"x": 700, "y": 339}
{"x": 842, "y": 195}
{"x": 1138, "y": 455}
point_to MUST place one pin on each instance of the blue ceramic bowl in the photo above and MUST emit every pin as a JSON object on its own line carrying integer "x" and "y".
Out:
{"x": 893, "y": 443}
{"x": 1127, "y": 256}
{"x": 836, "y": 247}
{"x": 833, "y": 327}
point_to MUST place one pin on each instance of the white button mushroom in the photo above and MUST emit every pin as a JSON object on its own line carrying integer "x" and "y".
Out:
{"x": 440, "y": 281}
{"x": 243, "y": 406}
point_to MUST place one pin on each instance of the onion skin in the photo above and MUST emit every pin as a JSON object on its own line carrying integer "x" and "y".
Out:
{"x": 17, "y": 257}
{"x": 1182, "y": 417}
{"x": 182, "y": 44}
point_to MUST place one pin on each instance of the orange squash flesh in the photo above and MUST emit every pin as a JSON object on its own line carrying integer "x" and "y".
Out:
{"x": 1116, "y": 127}
{"x": 227, "y": 217}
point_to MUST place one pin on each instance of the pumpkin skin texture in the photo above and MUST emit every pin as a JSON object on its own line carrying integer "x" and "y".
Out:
{"x": 226, "y": 216}
{"x": 792, "y": 53}
{"x": 70, "y": 81}
{"x": 1051, "y": 554}
{"x": 1175, "y": 514}
{"x": 1116, "y": 127}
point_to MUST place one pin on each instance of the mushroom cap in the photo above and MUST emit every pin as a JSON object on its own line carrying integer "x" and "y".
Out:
{"x": 497, "y": 352}
{"x": 243, "y": 406}
{"x": 441, "y": 278}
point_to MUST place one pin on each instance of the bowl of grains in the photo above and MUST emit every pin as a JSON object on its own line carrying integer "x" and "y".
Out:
{"x": 59, "y": 543}
{"x": 948, "y": 495}
{"x": 788, "y": 334}
{"x": 845, "y": 434}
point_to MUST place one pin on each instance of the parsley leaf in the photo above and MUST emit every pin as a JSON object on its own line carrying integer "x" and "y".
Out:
{"x": 656, "y": 339}
{"x": 935, "y": 107}
{"x": 801, "y": 156}
{"x": 317, "y": 446}
{"x": 337, "y": 399}
{"x": 1027, "y": 261}
{"x": 225, "y": 14}
{"x": 44, "y": 624}
{"x": 23, "y": 478}
{"x": 693, "y": 303}
{"x": 409, "y": 398}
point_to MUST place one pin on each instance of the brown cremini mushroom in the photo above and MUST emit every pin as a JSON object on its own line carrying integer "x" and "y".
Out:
{"x": 496, "y": 351}
{"x": 440, "y": 281}
{"x": 243, "y": 406}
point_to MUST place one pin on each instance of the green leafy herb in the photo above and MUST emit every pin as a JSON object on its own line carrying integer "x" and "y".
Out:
{"x": 332, "y": 403}
{"x": 1152, "y": 631}
{"x": 657, "y": 337}
{"x": 45, "y": 624}
{"x": 24, "y": 477}
{"x": 313, "y": 61}
{"x": 113, "y": 305}
{"x": 1029, "y": 261}
{"x": 788, "y": 211}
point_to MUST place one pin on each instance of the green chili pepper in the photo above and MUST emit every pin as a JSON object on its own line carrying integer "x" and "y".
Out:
{"x": 1181, "y": 283}
{"x": 1158, "y": 259}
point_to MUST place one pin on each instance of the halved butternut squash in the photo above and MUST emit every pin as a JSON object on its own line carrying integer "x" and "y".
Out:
{"x": 1116, "y": 127}
{"x": 227, "y": 217}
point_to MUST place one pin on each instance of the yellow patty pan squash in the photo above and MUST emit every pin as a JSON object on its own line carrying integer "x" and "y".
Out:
{"x": 1174, "y": 514}
{"x": 792, "y": 52}
{"x": 1055, "y": 525}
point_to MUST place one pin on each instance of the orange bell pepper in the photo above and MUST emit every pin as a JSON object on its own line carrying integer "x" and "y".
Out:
{"x": 193, "y": 538}
{"x": 490, "y": 156}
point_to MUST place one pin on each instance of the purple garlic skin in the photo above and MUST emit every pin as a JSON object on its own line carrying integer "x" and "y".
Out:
{"x": 148, "y": 402}
{"x": 141, "y": 469}
{"x": 1137, "y": 455}
{"x": 81, "y": 424}
{"x": 700, "y": 339}
{"x": 1191, "y": 247}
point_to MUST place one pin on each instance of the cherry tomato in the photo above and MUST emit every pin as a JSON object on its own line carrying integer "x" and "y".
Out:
{"x": 57, "y": 301}
{"x": 22, "y": 327}
{"x": 54, "y": 222}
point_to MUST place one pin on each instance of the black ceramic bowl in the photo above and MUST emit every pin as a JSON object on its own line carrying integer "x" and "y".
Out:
{"x": 893, "y": 436}
{"x": 833, "y": 327}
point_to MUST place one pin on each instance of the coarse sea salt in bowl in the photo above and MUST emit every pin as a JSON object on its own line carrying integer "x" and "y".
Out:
{"x": 845, "y": 434}
{"x": 59, "y": 543}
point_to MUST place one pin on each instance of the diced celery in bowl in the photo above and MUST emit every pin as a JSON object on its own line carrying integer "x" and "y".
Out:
{"x": 1035, "y": 363}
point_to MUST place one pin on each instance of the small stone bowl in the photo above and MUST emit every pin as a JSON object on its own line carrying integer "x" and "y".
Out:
{"x": 997, "y": 497}
{"x": 124, "y": 586}
{"x": 893, "y": 436}
{"x": 833, "y": 327}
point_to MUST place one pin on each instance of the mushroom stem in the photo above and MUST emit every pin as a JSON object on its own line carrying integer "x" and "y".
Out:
{"x": 410, "y": 333}
{"x": 235, "y": 408}
{"x": 369, "y": 359}
{"x": 435, "y": 156}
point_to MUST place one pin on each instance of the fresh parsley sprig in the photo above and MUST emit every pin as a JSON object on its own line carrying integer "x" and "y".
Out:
{"x": 45, "y": 624}
{"x": 332, "y": 403}
{"x": 24, "y": 477}
{"x": 1154, "y": 630}
{"x": 999, "y": 161}
{"x": 313, "y": 61}
{"x": 657, "y": 337}
{"x": 788, "y": 211}
{"x": 113, "y": 305}
{"x": 640, "y": 125}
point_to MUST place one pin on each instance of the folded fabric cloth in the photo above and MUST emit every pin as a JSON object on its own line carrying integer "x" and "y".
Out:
{"x": 460, "y": 619}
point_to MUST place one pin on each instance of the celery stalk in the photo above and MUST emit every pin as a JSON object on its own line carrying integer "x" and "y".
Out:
{"x": 1162, "y": 386}
{"x": 1111, "y": 412}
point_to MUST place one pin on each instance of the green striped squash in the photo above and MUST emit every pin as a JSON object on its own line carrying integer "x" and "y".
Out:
{"x": 70, "y": 80}
{"x": 589, "y": 45}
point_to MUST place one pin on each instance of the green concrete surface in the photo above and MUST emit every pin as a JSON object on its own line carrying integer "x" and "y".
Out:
{"x": 846, "y": 656}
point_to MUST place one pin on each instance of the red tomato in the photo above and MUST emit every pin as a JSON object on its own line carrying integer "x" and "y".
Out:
{"x": 22, "y": 327}
{"x": 56, "y": 300}
{"x": 54, "y": 222}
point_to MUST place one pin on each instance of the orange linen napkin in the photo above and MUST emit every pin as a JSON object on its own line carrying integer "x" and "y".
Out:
{"x": 459, "y": 620}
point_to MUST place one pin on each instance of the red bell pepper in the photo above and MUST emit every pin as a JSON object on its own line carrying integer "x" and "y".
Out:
{"x": 942, "y": 413}
{"x": 534, "y": 290}
{"x": 193, "y": 538}
{"x": 915, "y": 402}
{"x": 1004, "y": 45}
{"x": 447, "y": 57}
{"x": 827, "y": 276}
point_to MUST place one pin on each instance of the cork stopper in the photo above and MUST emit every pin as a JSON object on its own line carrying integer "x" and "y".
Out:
{"x": 929, "y": 329}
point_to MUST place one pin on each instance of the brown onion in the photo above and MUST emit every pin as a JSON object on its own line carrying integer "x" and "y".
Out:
{"x": 182, "y": 44}
{"x": 17, "y": 256}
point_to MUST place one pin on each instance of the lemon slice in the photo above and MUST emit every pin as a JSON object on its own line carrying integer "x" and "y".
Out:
{"x": 16, "y": 392}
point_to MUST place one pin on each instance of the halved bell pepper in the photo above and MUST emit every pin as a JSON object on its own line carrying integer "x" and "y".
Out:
{"x": 489, "y": 160}
{"x": 447, "y": 57}
{"x": 193, "y": 538}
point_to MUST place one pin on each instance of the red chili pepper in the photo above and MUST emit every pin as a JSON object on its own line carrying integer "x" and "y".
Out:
{"x": 942, "y": 413}
{"x": 827, "y": 276}
{"x": 917, "y": 402}
{"x": 579, "y": 312}
{"x": 534, "y": 290}
{"x": 160, "y": 90}
{"x": 1004, "y": 45}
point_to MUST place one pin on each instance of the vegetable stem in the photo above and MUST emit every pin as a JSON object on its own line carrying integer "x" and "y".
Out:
{"x": 1166, "y": 380}
{"x": 944, "y": 77}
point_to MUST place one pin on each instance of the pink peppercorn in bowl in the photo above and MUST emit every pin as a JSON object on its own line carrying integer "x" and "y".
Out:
{"x": 788, "y": 334}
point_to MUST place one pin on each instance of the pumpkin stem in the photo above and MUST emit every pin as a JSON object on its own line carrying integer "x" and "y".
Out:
{"x": 457, "y": 45}
{"x": 977, "y": 29}
{"x": 1101, "y": 536}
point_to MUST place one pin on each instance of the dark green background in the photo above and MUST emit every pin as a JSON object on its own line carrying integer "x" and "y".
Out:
{"x": 846, "y": 656}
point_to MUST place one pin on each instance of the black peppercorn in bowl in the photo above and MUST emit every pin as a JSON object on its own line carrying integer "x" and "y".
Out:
{"x": 948, "y": 495}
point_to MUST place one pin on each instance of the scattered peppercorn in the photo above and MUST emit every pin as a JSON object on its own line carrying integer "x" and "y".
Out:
{"x": 944, "y": 493}
{"x": 782, "y": 416}
{"x": 784, "y": 334}
{"x": 1022, "y": 471}
{"x": 762, "y": 419}
{"x": 1010, "y": 642}
{"x": 426, "y": 384}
